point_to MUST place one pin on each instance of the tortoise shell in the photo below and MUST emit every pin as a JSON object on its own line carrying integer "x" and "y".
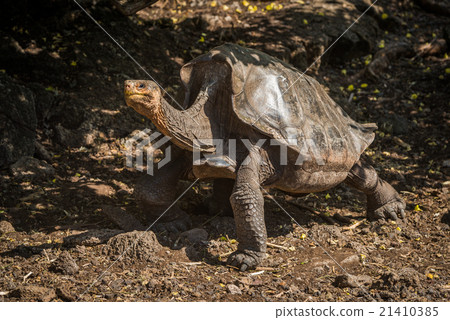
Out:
{"x": 285, "y": 104}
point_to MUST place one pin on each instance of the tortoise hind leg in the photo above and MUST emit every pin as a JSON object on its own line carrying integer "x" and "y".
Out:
{"x": 382, "y": 199}
{"x": 219, "y": 202}
{"x": 156, "y": 195}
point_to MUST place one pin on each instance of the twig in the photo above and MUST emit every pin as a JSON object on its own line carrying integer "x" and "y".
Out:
{"x": 46, "y": 254}
{"x": 191, "y": 263}
{"x": 353, "y": 226}
{"x": 25, "y": 277}
{"x": 273, "y": 245}
{"x": 226, "y": 254}
{"x": 266, "y": 269}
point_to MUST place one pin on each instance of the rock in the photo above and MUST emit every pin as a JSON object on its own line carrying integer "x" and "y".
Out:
{"x": 384, "y": 58}
{"x": 354, "y": 259}
{"x": 393, "y": 280}
{"x": 152, "y": 284}
{"x": 17, "y": 121}
{"x": 6, "y": 227}
{"x": 117, "y": 284}
{"x": 123, "y": 219}
{"x": 446, "y": 163}
{"x": 65, "y": 264}
{"x": 351, "y": 281}
{"x": 315, "y": 33}
{"x": 31, "y": 168}
{"x": 129, "y": 7}
{"x": 99, "y": 189}
{"x": 435, "y": 6}
{"x": 136, "y": 245}
{"x": 397, "y": 125}
{"x": 434, "y": 48}
{"x": 224, "y": 225}
{"x": 64, "y": 294}
{"x": 191, "y": 252}
{"x": 45, "y": 101}
{"x": 42, "y": 153}
{"x": 33, "y": 293}
{"x": 328, "y": 234}
{"x": 91, "y": 237}
{"x": 67, "y": 137}
{"x": 233, "y": 289}
{"x": 196, "y": 235}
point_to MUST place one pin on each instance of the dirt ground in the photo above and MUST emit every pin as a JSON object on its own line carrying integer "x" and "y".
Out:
{"x": 57, "y": 242}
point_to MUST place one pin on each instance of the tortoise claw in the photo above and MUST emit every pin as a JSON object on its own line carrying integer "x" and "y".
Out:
{"x": 246, "y": 259}
{"x": 176, "y": 226}
{"x": 393, "y": 210}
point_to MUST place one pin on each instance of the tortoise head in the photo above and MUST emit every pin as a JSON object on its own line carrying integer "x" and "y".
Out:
{"x": 142, "y": 95}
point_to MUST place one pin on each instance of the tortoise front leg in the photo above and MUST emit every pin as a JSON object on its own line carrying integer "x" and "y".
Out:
{"x": 247, "y": 202}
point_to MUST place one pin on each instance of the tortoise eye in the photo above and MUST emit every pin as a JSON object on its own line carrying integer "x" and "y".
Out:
{"x": 141, "y": 86}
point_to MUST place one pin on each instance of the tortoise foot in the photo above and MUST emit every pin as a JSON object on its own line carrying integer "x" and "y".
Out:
{"x": 180, "y": 224}
{"x": 394, "y": 210}
{"x": 246, "y": 259}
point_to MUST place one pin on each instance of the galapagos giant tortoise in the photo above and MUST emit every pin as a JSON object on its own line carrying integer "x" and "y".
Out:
{"x": 286, "y": 131}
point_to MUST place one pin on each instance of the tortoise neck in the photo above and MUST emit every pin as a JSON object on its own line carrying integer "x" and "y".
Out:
{"x": 175, "y": 124}
{"x": 159, "y": 115}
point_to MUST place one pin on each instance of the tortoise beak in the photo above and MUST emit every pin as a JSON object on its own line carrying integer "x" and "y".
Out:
{"x": 129, "y": 87}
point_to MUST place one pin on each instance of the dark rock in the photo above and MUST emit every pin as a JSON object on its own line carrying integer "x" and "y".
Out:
{"x": 67, "y": 137}
{"x": 42, "y": 153}
{"x": 65, "y": 264}
{"x": 33, "y": 293}
{"x": 393, "y": 280}
{"x": 224, "y": 225}
{"x": 17, "y": 121}
{"x": 64, "y": 295}
{"x": 120, "y": 217}
{"x": 44, "y": 101}
{"x": 136, "y": 245}
{"x": 31, "y": 168}
{"x": 6, "y": 227}
{"x": 129, "y": 7}
{"x": 351, "y": 281}
{"x": 396, "y": 124}
{"x": 193, "y": 236}
{"x": 191, "y": 252}
{"x": 385, "y": 57}
{"x": 91, "y": 237}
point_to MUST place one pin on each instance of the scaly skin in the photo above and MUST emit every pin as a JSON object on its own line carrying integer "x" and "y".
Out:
{"x": 248, "y": 206}
{"x": 383, "y": 202}
{"x": 155, "y": 194}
